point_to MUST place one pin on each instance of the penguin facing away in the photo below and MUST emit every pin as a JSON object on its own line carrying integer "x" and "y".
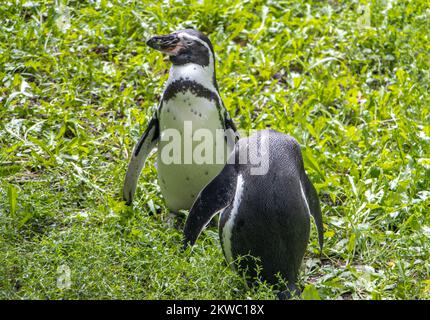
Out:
{"x": 190, "y": 98}
{"x": 265, "y": 216}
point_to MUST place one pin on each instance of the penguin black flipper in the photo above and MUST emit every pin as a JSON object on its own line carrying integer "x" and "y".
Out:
{"x": 217, "y": 195}
{"x": 145, "y": 145}
{"x": 315, "y": 209}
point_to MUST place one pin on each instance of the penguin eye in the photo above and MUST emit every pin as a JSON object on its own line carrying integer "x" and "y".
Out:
{"x": 188, "y": 42}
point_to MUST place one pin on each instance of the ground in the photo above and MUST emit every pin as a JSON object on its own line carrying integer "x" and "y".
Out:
{"x": 349, "y": 80}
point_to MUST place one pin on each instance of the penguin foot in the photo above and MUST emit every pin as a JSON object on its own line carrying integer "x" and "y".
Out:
{"x": 176, "y": 220}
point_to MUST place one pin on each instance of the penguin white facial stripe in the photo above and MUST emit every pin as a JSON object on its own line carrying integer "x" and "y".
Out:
{"x": 304, "y": 198}
{"x": 194, "y": 38}
{"x": 188, "y": 36}
{"x": 228, "y": 227}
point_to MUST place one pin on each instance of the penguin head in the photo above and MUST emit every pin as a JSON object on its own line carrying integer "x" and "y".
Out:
{"x": 185, "y": 46}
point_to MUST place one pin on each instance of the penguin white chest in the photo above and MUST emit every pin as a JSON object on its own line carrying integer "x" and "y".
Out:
{"x": 184, "y": 167}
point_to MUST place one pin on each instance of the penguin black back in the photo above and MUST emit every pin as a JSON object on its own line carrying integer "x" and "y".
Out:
{"x": 264, "y": 214}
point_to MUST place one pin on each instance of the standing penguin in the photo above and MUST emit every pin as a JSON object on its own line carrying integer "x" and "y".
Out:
{"x": 190, "y": 102}
{"x": 263, "y": 215}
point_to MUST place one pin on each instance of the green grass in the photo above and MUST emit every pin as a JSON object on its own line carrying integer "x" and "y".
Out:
{"x": 78, "y": 85}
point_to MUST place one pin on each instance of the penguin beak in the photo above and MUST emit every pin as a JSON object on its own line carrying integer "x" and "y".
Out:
{"x": 169, "y": 44}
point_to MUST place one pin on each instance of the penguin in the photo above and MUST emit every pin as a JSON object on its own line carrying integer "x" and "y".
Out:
{"x": 190, "y": 102}
{"x": 262, "y": 215}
